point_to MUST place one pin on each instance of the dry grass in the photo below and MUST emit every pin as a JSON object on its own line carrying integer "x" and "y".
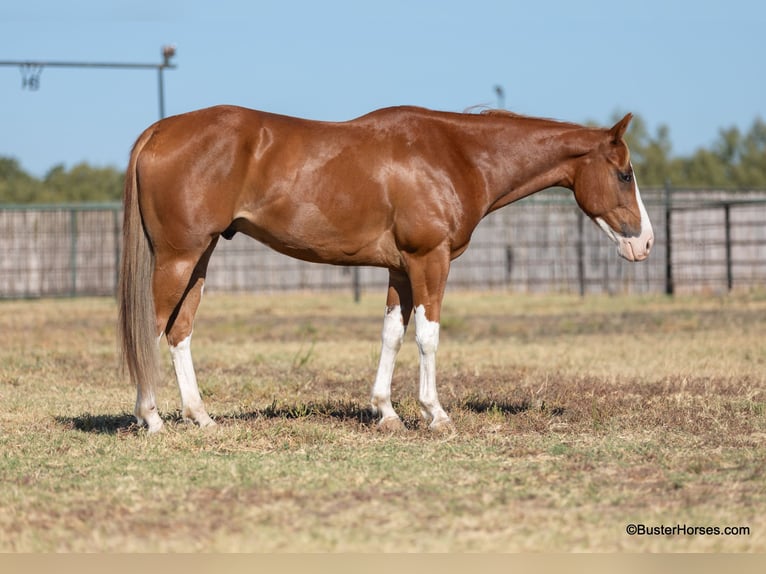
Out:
{"x": 574, "y": 417}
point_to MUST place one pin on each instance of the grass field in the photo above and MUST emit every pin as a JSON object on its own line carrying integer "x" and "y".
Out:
{"x": 574, "y": 418}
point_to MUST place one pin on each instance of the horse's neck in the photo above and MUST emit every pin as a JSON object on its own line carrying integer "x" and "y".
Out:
{"x": 528, "y": 156}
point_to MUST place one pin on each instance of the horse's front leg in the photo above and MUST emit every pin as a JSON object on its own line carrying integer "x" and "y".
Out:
{"x": 428, "y": 278}
{"x": 427, "y": 337}
{"x": 398, "y": 311}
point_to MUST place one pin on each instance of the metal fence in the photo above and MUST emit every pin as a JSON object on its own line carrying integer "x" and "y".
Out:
{"x": 706, "y": 241}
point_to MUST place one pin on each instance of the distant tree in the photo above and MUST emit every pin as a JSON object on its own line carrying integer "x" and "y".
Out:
{"x": 651, "y": 155}
{"x": 83, "y": 183}
{"x": 80, "y": 184}
{"x": 735, "y": 160}
{"x": 751, "y": 162}
{"x": 703, "y": 169}
{"x": 16, "y": 185}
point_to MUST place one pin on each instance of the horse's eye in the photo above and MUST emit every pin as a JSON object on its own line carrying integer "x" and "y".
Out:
{"x": 626, "y": 177}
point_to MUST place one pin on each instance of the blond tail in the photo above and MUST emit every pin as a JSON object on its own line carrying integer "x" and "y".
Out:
{"x": 137, "y": 336}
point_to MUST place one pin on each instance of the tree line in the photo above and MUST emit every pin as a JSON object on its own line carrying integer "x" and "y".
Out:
{"x": 81, "y": 183}
{"x": 736, "y": 160}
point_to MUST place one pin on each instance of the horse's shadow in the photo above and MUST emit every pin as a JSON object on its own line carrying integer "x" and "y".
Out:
{"x": 509, "y": 408}
{"x": 337, "y": 410}
{"x": 99, "y": 424}
{"x": 125, "y": 423}
{"x": 347, "y": 411}
{"x": 484, "y": 405}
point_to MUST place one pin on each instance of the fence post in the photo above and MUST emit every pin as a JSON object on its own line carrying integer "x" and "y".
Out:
{"x": 357, "y": 284}
{"x": 117, "y": 248}
{"x": 73, "y": 251}
{"x": 581, "y": 252}
{"x": 727, "y": 231}
{"x": 669, "y": 285}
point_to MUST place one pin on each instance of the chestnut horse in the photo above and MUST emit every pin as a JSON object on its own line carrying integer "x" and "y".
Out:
{"x": 401, "y": 188}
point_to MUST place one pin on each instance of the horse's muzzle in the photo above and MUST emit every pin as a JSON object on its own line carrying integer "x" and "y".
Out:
{"x": 636, "y": 248}
{"x": 631, "y": 247}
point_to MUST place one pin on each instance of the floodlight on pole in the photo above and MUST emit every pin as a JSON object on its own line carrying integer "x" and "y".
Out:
{"x": 31, "y": 70}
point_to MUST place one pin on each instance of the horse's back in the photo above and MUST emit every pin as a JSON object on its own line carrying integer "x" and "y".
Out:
{"x": 339, "y": 192}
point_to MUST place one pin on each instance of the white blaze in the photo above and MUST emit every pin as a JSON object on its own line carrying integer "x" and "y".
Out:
{"x": 632, "y": 248}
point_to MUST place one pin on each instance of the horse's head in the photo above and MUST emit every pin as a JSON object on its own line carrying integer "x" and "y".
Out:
{"x": 606, "y": 190}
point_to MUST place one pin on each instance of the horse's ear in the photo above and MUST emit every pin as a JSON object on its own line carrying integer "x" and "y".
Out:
{"x": 620, "y": 128}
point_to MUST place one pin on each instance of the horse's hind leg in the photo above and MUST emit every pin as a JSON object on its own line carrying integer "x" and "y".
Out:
{"x": 178, "y": 292}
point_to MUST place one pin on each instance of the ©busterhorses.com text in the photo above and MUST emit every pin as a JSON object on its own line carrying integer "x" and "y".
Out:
{"x": 685, "y": 530}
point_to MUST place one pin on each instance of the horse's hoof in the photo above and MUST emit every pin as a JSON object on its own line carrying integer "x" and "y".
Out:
{"x": 391, "y": 425}
{"x": 208, "y": 423}
{"x": 201, "y": 419}
{"x": 152, "y": 423}
{"x": 443, "y": 426}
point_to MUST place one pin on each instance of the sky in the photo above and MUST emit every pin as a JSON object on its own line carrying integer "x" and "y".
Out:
{"x": 696, "y": 67}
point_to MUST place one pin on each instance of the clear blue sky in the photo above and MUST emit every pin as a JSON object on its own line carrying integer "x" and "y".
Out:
{"x": 695, "y": 66}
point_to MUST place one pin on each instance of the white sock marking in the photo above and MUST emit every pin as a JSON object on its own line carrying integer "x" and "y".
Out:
{"x": 427, "y": 337}
{"x": 392, "y": 337}
{"x": 191, "y": 401}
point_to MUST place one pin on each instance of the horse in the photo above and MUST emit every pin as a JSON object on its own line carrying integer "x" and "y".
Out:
{"x": 401, "y": 188}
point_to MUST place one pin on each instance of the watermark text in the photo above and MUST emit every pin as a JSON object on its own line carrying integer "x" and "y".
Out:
{"x": 685, "y": 530}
